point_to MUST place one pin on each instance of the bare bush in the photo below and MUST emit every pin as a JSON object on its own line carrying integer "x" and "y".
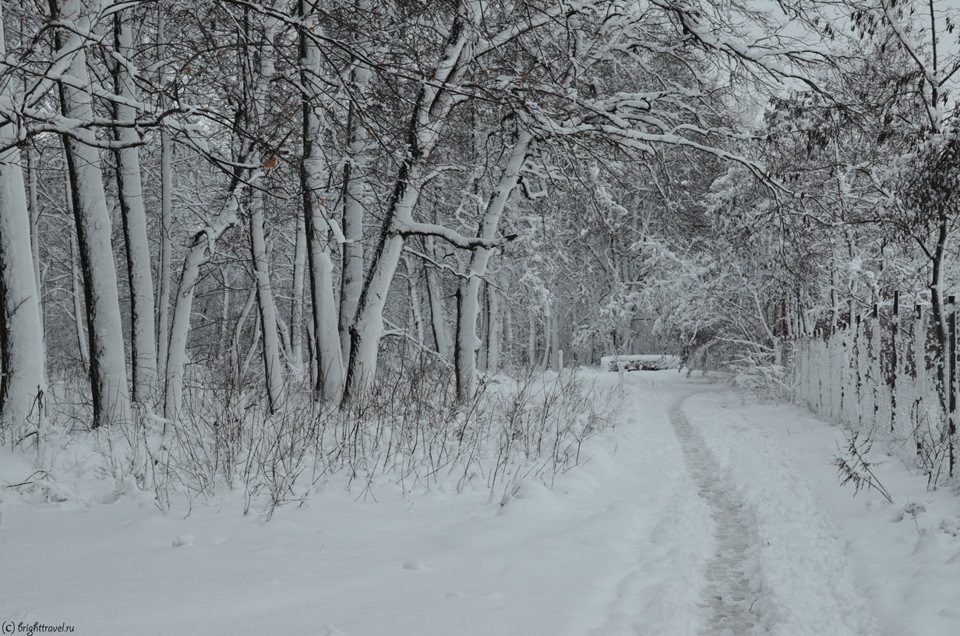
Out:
{"x": 408, "y": 430}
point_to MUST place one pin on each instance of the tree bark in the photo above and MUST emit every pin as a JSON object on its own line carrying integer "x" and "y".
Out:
{"x": 296, "y": 303}
{"x": 166, "y": 225}
{"x": 494, "y": 324}
{"x": 272, "y": 361}
{"x": 328, "y": 355}
{"x": 354, "y": 174}
{"x": 438, "y": 313}
{"x": 21, "y": 338}
{"x": 468, "y": 305}
{"x": 79, "y": 313}
{"x": 108, "y": 373}
{"x": 134, "y": 215}
{"x": 166, "y": 245}
{"x": 197, "y": 256}
{"x": 431, "y": 109}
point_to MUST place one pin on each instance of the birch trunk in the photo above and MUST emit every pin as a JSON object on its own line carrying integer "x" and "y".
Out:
{"x": 166, "y": 246}
{"x": 134, "y": 215}
{"x": 416, "y": 310}
{"x": 272, "y": 362}
{"x": 544, "y": 363}
{"x": 296, "y": 302}
{"x": 108, "y": 373}
{"x": 432, "y": 107}
{"x": 79, "y": 313}
{"x": 166, "y": 224}
{"x": 494, "y": 330}
{"x": 235, "y": 358}
{"x": 223, "y": 341}
{"x": 482, "y": 327}
{"x": 468, "y": 342}
{"x": 198, "y": 254}
{"x": 21, "y": 338}
{"x": 354, "y": 170}
{"x": 438, "y": 313}
{"x": 328, "y": 355}
{"x": 532, "y": 341}
{"x": 33, "y": 205}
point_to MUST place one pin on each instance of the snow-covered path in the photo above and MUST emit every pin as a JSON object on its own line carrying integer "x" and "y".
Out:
{"x": 704, "y": 512}
{"x": 780, "y": 566}
{"x": 728, "y": 593}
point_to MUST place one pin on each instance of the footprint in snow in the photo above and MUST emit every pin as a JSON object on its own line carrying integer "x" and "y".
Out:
{"x": 182, "y": 540}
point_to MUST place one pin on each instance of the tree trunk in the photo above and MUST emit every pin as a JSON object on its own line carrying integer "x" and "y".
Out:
{"x": 432, "y": 107}
{"x": 272, "y": 363}
{"x": 438, "y": 314}
{"x": 166, "y": 225}
{"x": 108, "y": 372}
{"x": 33, "y": 205}
{"x": 468, "y": 306}
{"x": 296, "y": 303}
{"x": 235, "y": 358}
{"x": 494, "y": 330}
{"x": 21, "y": 338}
{"x": 166, "y": 246}
{"x": 940, "y": 318}
{"x": 197, "y": 256}
{"x": 134, "y": 215}
{"x": 328, "y": 355}
{"x": 79, "y": 313}
{"x": 532, "y": 341}
{"x": 354, "y": 174}
{"x": 416, "y": 310}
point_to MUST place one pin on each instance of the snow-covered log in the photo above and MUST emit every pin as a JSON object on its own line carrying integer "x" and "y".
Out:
{"x": 640, "y": 362}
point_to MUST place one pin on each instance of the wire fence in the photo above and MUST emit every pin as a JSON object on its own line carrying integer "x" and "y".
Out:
{"x": 887, "y": 377}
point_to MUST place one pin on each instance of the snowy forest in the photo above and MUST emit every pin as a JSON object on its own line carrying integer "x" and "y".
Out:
{"x": 253, "y": 248}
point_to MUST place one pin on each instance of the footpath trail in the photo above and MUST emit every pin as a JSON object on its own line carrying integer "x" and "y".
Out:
{"x": 729, "y": 593}
{"x": 766, "y": 558}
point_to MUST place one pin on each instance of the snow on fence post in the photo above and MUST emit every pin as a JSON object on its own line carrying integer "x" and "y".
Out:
{"x": 892, "y": 370}
{"x": 838, "y": 375}
{"x": 814, "y": 348}
{"x": 841, "y": 370}
{"x": 828, "y": 376}
{"x": 920, "y": 366}
{"x": 802, "y": 362}
{"x": 872, "y": 377}
{"x": 856, "y": 416}
{"x": 951, "y": 356}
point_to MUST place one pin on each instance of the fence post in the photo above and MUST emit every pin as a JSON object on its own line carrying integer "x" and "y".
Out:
{"x": 858, "y": 387}
{"x": 920, "y": 369}
{"x": 893, "y": 371}
{"x": 876, "y": 361}
{"x": 951, "y": 356}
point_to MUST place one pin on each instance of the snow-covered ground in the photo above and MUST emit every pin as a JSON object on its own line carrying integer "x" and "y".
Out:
{"x": 703, "y": 512}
